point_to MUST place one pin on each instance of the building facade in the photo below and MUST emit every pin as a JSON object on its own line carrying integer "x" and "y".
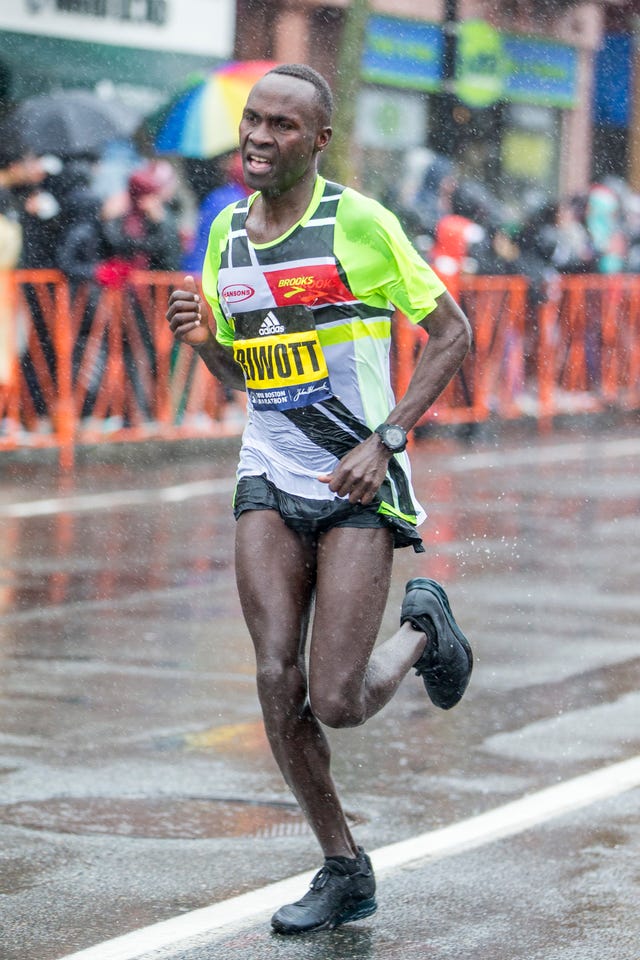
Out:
{"x": 143, "y": 48}
{"x": 510, "y": 90}
{"x": 535, "y": 97}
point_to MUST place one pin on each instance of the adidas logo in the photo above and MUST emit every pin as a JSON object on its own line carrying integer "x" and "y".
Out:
{"x": 270, "y": 326}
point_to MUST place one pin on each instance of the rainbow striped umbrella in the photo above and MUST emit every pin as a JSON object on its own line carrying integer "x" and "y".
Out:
{"x": 203, "y": 120}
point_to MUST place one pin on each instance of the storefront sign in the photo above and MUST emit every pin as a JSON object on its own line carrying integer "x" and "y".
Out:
{"x": 390, "y": 119}
{"x": 479, "y": 64}
{"x": 490, "y": 65}
{"x": 189, "y": 26}
{"x": 613, "y": 81}
{"x": 403, "y": 53}
{"x": 537, "y": 71}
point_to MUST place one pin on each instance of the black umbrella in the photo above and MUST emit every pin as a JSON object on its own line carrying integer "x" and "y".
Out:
{"x": 69, "y": 123}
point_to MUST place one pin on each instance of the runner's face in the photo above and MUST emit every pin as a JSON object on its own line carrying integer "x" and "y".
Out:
{"x": 280, "y": 134}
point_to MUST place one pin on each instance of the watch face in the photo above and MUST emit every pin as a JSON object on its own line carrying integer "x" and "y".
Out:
{"x": 393, "y": 437}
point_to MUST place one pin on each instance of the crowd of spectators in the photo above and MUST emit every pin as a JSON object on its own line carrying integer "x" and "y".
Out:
{"x": 63, "y": 223}
{"x": 463, "y": 228}
{"x": 55, "y": 213}
{"x": 52, "y": 216}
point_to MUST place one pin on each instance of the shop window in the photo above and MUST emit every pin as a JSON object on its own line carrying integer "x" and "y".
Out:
{"x": 529, "y": 157}
{"x": 389, "y": 124}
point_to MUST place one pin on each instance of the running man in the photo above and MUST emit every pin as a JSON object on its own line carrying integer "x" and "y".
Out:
{"x": 302, "y": 278}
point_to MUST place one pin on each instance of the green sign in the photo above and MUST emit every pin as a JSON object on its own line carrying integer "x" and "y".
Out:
{"x": 490, "y": 65}
{"x": 480, "y": 64}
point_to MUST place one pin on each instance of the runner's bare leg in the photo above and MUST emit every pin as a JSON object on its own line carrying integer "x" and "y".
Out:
{"x": 349, "y": 680}
{"x": 276, "y": 571}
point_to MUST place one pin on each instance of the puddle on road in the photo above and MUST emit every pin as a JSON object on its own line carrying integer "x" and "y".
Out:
{"x": 169, "y": 818}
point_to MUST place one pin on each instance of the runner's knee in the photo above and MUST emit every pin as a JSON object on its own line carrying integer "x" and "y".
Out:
{"x": 282, "y": 689}
{"x": 337, "y": 709}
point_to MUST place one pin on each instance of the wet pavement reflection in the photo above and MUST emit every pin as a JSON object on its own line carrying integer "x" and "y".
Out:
{"x": 136, "y": 782}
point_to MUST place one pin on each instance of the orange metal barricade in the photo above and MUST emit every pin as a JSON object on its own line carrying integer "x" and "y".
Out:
{"x": 132, "y": 381}
{"x": 100, "y": 364}
{"x": 491, "y": 380}
{"x": 9, "y": 400}
{"x": 589, "y": 356}
{"x": 37, "y": 402}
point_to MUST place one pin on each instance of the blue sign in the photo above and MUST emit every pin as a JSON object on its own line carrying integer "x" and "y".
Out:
{"x": 612, "y": 99}
{"x": 540, "y": 72}
{"x": 403, "y": 53}
{"x": 409, "y": 53}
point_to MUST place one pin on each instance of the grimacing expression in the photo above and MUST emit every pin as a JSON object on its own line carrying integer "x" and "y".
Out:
{"x": 281, "y": 132}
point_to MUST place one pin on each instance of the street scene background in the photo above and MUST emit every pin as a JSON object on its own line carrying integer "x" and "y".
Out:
{"x": 139, "y": 802}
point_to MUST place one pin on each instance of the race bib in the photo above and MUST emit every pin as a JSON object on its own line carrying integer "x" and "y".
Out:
{"x": 280, "y": 354}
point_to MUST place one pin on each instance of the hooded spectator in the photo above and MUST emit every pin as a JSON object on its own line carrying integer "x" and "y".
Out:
{"x": 574, "y": 252}
{"x": 80, "y": 254}
{"x": 604, "y": 223}
{"x": 537, "y": 239}
{"x": 145, "y": 236}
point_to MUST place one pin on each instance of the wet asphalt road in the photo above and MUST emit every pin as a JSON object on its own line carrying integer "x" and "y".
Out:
{"x": 135, "y": 781}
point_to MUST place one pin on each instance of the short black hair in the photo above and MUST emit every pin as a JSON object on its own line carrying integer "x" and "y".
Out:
{"x": 303, "y": 72}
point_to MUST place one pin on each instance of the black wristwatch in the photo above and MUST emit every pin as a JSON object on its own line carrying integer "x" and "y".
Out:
{"x": 393, "y": 436}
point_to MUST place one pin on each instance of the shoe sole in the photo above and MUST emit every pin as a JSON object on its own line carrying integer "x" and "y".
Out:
{"x": 438, "y": 593}
{"x": 363, "y": 909}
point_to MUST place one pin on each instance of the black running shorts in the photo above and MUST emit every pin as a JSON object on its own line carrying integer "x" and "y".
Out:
{"x": 314, "y": 517}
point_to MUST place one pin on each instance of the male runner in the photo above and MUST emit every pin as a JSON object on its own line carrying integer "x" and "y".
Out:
{"x": 301, "y": 278}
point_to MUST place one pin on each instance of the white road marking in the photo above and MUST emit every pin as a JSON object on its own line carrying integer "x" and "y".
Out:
{"x": 558, "y": 453}
{"x": 464, "y": 462}
{"x": 117, "y": 498}
{"x": 504, "y": 821}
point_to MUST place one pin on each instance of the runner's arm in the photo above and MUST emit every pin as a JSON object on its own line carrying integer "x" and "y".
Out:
{"x": 221, "y": 364}
{"x": 187, "y": 319}
{"x": 360, "y": 473}
{"x": 448, "y": 344}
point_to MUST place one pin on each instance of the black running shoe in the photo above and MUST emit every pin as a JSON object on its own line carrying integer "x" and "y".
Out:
{"x": 447, "y": 661}
{"x": 341, "y": 891}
